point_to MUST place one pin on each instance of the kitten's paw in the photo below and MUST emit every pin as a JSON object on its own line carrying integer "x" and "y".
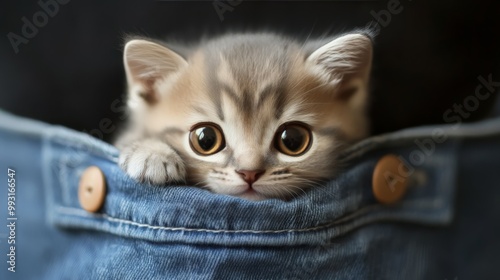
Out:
{"x": 152, "y": 161}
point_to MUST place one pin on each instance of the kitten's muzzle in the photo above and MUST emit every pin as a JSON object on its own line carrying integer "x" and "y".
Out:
{"x": 250, "y": 176}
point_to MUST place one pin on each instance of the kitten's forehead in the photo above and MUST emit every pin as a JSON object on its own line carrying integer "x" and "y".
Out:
{"x": 251, "y": 58}
{"x": 251, "y": 74}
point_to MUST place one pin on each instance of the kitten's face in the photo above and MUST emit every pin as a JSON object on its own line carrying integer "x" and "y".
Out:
{"x": 255, "y": 118}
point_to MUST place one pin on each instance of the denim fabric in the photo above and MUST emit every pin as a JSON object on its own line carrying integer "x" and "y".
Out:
{"x": 446, "y": 226}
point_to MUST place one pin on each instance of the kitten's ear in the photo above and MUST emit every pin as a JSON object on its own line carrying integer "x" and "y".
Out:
{"x": 146, "y": 63}
{"x": 346, "y": 57}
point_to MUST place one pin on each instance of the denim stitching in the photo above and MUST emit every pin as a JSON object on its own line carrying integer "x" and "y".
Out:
{"x": 84, "y": 214}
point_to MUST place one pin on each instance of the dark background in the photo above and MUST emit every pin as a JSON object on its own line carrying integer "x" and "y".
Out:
{"x": 427, "y": 57}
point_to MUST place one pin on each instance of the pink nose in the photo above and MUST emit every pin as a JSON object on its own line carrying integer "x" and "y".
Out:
{"x": 250, "y": 176}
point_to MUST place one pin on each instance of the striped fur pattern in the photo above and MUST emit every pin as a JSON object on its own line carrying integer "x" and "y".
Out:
{"x": 249, "y": 85}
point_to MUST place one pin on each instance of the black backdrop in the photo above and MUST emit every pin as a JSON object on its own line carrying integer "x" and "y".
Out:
{"x": 428, "y": 55}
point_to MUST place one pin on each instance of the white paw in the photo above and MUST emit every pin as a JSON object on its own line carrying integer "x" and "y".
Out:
{"x": 152, "y": 161}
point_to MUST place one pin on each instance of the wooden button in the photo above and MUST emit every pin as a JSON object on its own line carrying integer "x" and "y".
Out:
{"x": 92, "y": 189}
{"x": 389, "y": 182}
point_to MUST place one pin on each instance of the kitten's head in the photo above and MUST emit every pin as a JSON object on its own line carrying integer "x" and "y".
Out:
{"x": 255, "y": 116}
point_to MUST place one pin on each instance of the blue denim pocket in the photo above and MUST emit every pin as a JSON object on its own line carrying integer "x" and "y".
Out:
{"x": 194, "y": 216}
{"x": 337, "y": 230}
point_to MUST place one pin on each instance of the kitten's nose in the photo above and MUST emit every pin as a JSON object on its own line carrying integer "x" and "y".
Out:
{"x": 250, "y": 176}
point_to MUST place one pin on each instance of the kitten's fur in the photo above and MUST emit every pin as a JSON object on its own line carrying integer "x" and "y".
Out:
{"x": 249, "y": 85}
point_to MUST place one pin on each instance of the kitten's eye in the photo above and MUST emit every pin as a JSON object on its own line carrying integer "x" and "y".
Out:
{"x": 206, "y": 139}
{"x": 293, "y": 139}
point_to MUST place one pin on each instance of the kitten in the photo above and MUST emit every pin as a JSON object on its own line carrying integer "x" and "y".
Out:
{"x": 251, "y": 115}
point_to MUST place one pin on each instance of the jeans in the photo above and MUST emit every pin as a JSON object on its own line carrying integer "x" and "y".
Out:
{"x": 447, "y": 225}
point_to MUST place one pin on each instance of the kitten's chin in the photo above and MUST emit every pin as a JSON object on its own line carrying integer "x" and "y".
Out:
{"x": 256, "y": 193}
{"x": 251, "y": 194}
